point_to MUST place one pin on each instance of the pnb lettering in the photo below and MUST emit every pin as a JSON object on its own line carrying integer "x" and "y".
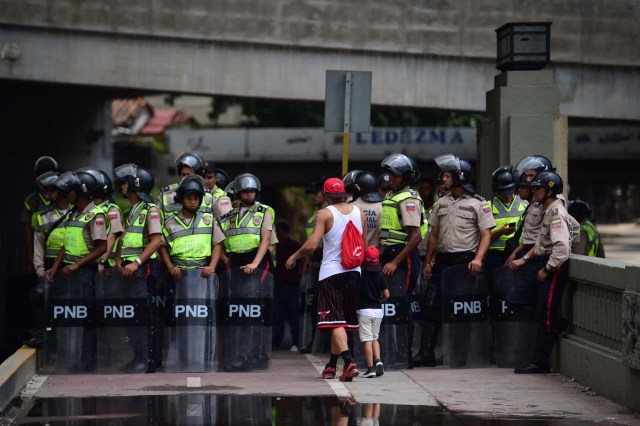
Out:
{"x": 247, "y": 311}
{"x": 79, "y": 312}
{"x": 473, "y": 307}
{"x": 191, "y": 311}
{"x": 389, "y": 310}
{"x": 118, "y": 311}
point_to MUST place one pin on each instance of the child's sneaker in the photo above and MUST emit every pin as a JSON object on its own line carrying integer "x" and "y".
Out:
{"x": 329, "y": 372}
{"x": 371, "y": 372}
{"x": 350, "y": 371}
{"x": 379, "y": 367}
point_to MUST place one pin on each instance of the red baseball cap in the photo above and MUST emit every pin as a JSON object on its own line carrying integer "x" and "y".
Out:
{"x": 334, "y": 187}
{"x": 371, "y": 259}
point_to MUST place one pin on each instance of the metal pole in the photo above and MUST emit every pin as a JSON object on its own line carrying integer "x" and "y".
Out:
{"x": 347, "y": 123}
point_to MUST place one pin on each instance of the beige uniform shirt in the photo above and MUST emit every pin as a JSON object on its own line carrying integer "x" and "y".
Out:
{"x": 557, "y": 232}
{"x": 372, "y": 213}
{"x": 115, "y": 219}
{"x": 533, "y": 221}
{"x": 173, "y": 226}
{"x": 459, "y": 222}
{"x": 222, "y": 205}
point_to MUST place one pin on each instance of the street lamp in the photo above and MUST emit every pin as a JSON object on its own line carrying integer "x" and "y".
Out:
{"x": 523, "y": 46}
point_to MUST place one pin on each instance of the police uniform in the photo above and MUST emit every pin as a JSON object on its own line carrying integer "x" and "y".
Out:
{"x": 532, "y": 224}
{"x": 590, "y": 243}
{"x": 458, "y": 222}
{"x": 114, "y": 225}
{"x": 144, "y": 219}
{"x": 552, "y": 249}
{"x": 81, "y": 230}
{"x": 190, "y": 240}
{"x": 242, "y": 228}
{"x": 48, "y": 237}
{"x": 221, "y": 204}
{"x": 373, "y": 214}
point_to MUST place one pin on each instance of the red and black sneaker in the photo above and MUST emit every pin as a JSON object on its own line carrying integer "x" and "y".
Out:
{"x": 350, "y": 371}
{"x": 329, "y": 372}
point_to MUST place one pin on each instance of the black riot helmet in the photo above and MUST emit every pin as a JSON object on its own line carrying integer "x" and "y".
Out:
{"x": 47, "y": 180}
{"x": 88, "y": 184}
{"x": 460, "y": 170}
{"x": 579, "y": 210}
{"x": 246, "y": 182}
{"x": 105, "y": 186}
{"x": 230, "y": 189}
{"x": 223, "y": 178}
{"x": 503, "y": 182}
{"x": 139, "y": 180}
{"x": 67, "y": 182}
{"x": 401, "y": 165}
{"x": 383, "y": 181}
{"x": 367, "y": 185}
{"x": 350, "y": 185}
{"x": 44, "y": 164}
{"x": 188, "y": 159}
{"x": 545, "y": 160}
{"x": 189, "y": 184}
{"x": 547, "y": 180}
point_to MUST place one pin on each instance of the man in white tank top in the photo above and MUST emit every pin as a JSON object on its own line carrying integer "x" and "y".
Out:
{"x": 339, "y": 290}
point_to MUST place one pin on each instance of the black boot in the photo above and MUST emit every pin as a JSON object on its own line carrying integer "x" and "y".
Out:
{"x": 428, "y": 337}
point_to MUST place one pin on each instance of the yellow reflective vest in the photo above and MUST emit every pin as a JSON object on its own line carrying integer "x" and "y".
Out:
{"x": 243, "y": 233}
{"x": 133, "y": 240}
{"x": 75, "y": 247}
{"x": 505, "y": 214}
{"x": 391, "y": 229}
{"x": 190, "y": 245}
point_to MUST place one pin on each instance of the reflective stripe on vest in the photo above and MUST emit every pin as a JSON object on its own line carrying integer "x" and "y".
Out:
{"x": 218, "y": 193}
{"x": 594, "y": 238}
{"x": 391, "y": 230}
{"x": 133, "y": 240}
{"x": 191, "y": 245}
{"x": 75, "y": 247}
{"x": 502, "y": 215}
{"x": 244, "y": 236}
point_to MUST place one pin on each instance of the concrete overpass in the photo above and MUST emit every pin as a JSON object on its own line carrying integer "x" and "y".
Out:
{"x": 430, "y": 54}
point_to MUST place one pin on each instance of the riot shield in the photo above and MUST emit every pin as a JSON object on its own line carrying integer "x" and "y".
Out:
{"x": 245, "y": 318}
{"x": 160, "y": 312}
{"x": 465, "y": 327}
{"x": 310, "y": 308}
{"x": 394, "y": 332}
{"x": 190, "y": 341}
{"x": 69, "y": 339}
{"x": 514, "y": 334}
{"x": 122, "y": 317}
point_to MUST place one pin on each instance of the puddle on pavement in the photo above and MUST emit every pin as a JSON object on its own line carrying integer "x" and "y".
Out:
{"x": 246, "y": 410}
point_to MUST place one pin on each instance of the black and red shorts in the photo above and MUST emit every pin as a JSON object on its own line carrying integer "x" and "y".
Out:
{"x": 338, "y": 301}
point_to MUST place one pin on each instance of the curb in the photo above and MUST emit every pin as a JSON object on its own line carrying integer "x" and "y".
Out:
{"x": 15, "y": 373}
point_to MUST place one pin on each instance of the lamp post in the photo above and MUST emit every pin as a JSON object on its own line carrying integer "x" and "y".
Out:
{"x": 523, "y": 46}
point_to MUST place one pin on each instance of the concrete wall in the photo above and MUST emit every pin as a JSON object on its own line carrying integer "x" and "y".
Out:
{"x": 603, "y": 349}
{"x": 437, "y": 54}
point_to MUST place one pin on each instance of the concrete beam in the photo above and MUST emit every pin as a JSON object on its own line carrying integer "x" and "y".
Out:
{"x": 195, "y": 66}
{"x": 15, "y": 372}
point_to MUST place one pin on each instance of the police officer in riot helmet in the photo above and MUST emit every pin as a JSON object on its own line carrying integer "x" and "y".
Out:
{"x": 548, "y": 257}
{"x": 221, "y": 204}
{"x": 186, "y": 164}
{"x": 350, "y": 183}
{"x": 460, "y": 233}
{"x": 383, "y": 183}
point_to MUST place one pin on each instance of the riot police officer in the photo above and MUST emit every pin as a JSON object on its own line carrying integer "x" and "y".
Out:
{"x": 368, "y": 199}
{"x": 402, "y": 226}
{"x": 590, "y": 243}
{"x": 541, "y": 284}
{"x": 186, "y": 164}
{"x": 136, "y": 260}
{"x": 249, "y": 233}
{"x": 192, "y": 244}
{"x": 460, "y": 233}
{"x": 101, "y": 196}
{"x": 85, "y": 240}
{"x": 221, "y": 202}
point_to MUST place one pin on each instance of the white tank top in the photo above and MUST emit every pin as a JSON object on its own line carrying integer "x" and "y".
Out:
{"x": 332, "y": 242}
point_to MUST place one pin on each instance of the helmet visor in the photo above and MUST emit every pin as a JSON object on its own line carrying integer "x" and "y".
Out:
{"x": 528, "y": 163}
{"x": 246, "y": 182}
{"x": 47, "y": 180}
{"x": 67, "y": 181}
{"x": 189, "y": 160}
{"x": 448, "y": 162}
{"x": 125, "y": 170}
{"x": 396, "y": 163}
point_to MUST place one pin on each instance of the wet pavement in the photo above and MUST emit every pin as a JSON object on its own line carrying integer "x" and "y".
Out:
{"x": 291, "y": 392}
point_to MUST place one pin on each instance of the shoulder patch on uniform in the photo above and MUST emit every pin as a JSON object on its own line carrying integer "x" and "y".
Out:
{"x": 554, "y": 211}
{"x": 261, "y": 209}
{"x": 411, "y": 206}
{"x": 171, "y": 187}
{"x": 99, "y": 219}
{"x": 207, "y": 198}
{"x": 478, "y": 197}
{"x": 88, "y": 216}
{"x": 141, "y": 218}
{"x": 556, "y": 223}
{"x": 486, "y": 208}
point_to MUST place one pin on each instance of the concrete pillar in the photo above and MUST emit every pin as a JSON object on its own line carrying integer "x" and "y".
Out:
{"x": 522, "y": 118}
